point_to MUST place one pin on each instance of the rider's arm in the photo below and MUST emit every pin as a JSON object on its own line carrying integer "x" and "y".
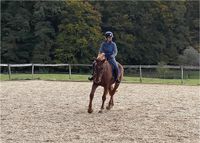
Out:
{"x": 115, "y": 51}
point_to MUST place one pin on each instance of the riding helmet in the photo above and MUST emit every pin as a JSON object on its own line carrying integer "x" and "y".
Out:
{"x": 108, "y": 34}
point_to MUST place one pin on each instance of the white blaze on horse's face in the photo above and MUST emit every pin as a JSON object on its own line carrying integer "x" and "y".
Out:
{"x": 101, "y": 56}
{"x": 99, "y": 69}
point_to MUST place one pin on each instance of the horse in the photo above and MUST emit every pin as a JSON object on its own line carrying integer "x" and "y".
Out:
{"x": 103, "y": 77}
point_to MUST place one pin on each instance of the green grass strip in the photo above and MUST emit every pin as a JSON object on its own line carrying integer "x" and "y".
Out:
{"x": 83, "y": 77}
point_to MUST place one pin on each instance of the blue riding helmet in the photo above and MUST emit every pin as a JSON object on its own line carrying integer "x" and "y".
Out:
{"x": 108, "y": 34}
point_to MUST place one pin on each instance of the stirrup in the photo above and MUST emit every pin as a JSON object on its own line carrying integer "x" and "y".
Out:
{"x": 117, "y": 81}
{"x": 90, "y": 78}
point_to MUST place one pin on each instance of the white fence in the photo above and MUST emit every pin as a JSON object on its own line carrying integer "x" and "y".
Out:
{"x": 41, "y": 65}
{"x": 139, "y": 67}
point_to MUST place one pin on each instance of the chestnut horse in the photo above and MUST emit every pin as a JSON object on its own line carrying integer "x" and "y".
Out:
{"x": 103, "y": 77}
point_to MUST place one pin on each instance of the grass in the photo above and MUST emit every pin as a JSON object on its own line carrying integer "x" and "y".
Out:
{"x": 82, "y": 77}
{"x": 162, "y": 81}
{"x": 59, "y": 77}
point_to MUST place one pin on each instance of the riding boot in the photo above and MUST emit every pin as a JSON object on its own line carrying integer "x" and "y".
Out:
{"x": 117, "y": 81}
{"x": 90, "y": 78}
{"x": 117, "y": 76}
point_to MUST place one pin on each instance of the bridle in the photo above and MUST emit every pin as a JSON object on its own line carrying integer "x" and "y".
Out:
{"x": 99, "y": 68}
{"x": 98, "y": 72}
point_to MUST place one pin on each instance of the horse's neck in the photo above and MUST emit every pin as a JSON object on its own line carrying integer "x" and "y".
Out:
{"x": 107, "y": 67}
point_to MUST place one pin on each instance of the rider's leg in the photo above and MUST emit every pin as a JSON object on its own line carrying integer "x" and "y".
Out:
{"x": 116, "y": 69}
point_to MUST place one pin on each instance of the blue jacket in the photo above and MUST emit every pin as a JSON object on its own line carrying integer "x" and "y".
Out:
{"x": 109, "y": 48}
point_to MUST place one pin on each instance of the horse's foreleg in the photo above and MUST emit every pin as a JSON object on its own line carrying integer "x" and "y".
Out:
{"x": 94, "y": 87}
{"x": 103, "y": 99}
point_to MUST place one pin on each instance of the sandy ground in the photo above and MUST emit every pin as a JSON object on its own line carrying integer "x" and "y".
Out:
{"x": 49, "y": 111}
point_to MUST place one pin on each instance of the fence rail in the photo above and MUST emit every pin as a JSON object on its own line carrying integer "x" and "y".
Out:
{"x": 89, "y": 65}
{"x": 140, "y": 67}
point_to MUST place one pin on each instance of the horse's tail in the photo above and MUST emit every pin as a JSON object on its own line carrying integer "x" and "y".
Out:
{"x": 121, "y": 71}
{"x": 113, "y": 90}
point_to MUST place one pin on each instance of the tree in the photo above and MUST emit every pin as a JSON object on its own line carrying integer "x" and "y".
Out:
{"x": 45, "y": 20}
{"x": 115, "y": 18}
{"x": 146, "y": 32}
{"x": 190, "y": 57}
{"x": 16, "y": 32}
{"x": 192, "y": 20}
{"x": 79, "y": 33}
{"x": 176, "y": 31}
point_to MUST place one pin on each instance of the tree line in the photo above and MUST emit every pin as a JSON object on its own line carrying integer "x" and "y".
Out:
{"x": 146, "y": 32}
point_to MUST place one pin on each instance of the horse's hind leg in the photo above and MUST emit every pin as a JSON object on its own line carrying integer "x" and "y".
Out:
{"x": 111, "y": 103}
{"x": 113, "y": 90}
{"x": 103, "y": 99}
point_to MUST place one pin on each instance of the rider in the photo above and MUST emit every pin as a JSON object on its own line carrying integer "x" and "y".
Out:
{"x": 110, "y": 49}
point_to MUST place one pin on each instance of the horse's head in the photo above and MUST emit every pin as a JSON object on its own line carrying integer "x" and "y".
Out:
{"x": 99, "y": 67}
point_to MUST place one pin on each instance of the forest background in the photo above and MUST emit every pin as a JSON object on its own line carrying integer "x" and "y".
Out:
{"x": 146, "y": 32}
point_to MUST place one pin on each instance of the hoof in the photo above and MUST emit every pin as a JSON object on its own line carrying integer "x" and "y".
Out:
{"x": 109, "y": 107}
{"x": 101, "y": 111}
{"x": 90, "y": 110}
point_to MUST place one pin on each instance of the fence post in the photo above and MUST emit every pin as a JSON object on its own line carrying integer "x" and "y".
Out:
{"x": 70, "y": 71}
{"x": 32, "y": 70}
{"x": 181, "y": 74}
{"x": 140, "y": 74}
{"x": 9, "y": 71}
